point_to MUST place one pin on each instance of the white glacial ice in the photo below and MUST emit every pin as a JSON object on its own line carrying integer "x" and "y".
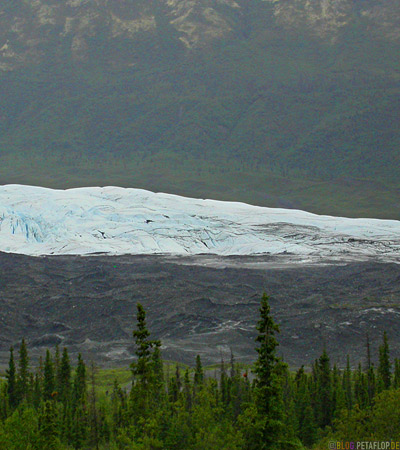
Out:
{"x": 39, "y": 221}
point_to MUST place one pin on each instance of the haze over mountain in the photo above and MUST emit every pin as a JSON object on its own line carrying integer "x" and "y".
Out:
{"x": 285, "y": 103}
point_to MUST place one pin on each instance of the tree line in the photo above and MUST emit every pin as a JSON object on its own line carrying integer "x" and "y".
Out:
{"x": 263, "y": 407}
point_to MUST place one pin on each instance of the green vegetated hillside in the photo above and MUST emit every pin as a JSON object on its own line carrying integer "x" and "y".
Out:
{"x": 284, "y": 103}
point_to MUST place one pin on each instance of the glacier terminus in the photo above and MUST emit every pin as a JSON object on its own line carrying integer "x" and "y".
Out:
{"x": 112, "y": 220}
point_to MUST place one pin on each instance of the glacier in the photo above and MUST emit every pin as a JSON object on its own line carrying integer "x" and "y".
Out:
{"x": 112, "y": 220}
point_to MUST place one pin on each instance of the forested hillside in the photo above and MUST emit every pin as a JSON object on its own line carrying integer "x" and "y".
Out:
{"x": 266, "y": 406}
{"x": 284, "y": 103}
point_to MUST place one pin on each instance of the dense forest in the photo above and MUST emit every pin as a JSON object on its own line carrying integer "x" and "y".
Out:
{"x": 266, "y": 406}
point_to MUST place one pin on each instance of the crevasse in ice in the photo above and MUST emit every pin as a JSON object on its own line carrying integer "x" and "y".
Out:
{"x": 39, "y": 221}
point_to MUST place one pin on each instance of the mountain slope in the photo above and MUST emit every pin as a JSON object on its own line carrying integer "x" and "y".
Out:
{"x": 280, "y": 103}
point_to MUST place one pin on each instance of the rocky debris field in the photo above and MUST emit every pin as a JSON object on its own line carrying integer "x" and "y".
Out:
{"x": 196, "y": 305}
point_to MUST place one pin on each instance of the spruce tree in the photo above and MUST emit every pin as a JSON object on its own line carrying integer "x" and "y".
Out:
{"x": 224, "y": 385}
{"x": 338, "y": 393}
{"x": 67, "y": 419}
{"x": 158, "y": 384}
{"x": 80, "y": 388}
{"x": 158, "y": 369}
{"x": 238, "y": 392}
{"x": 79, "y": 431}
{"x": 11, "y": 381}
{"x": 268, "y": 370}
{"x": 325, "y": 407}
{"x": 143, "y": 367}
{"x": 361, "y": 387}
{"x": 347, "y": 385}
{"x": 308, "y": 430}
{"x": 368, "y": 346}
{"x": 305, "y": 412}
{"x": 23, "y": 384}
{"x": 396, "y": 380}
{"x": 175, "y": 385}
{"x": 290, "y": 416}
{"x": 187, "y": 390}
{"x": 118, "y": 408}
{"x": 371, "y": 384}
{"x": 48, "y": 377}
{"x": 64, "y": 378}
{"x": 384, "y": 364}
{"x": 178, "y": 378}
{"x": 48, "y": 429}
{"x": 37, "y": 390}
{"x": 57, "y": 361}
{"x": 232, "y": 365}
{"x": 4, "y": 403}
{"x": 93, "y": 411}
{"x": 144, "y": 399}
{"x": 198, "y": 373}
{"x": 300, "y": 376}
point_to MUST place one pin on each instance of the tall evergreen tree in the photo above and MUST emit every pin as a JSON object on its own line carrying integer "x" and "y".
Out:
{"x": 338, "y": 393}
{"x": 158, "y": 369}
{"x": 371, "y": 384}
{"x": 268, "y": 370}
{"x": 118, "y": 408}
{"x": 175, "y": 385}
{"x": 239, "y": 392}
{"x": 147, "y": 391}
{"x": 178, "y": 378}
{"x": 325, "y": 407}
{"x": 198, "y": 372}
{"x": 48, "y": 432}
{"x": 57, "y": 361}
{"x": 23, "y": 384}
{"x": 396, "y": 380}
{"x": 93, "y": 411}
{"x": 37, "y": 390}
{"x": 347, "y": 385}
{"x": 4, "y": 403}
{"x": 48, "y": 377}
{"x": 79, "y": 390}
{"x": 361, "y": 387}
{"x": 187, "y": 390}
{"x": 64, "y": 377}
{"x": 224, "y": 385}
{"x": 143, "y": 367}
{"x": 368, "y": 346}
{"x": 384, "y": 368}
{"x": 232, "y": 366}
{"x": 79, "y": 431}
{"x": 307, "y": 430}
{"x": 11, "y": 381}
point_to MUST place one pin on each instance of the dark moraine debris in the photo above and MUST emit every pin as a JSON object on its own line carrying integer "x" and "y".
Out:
{"x": 204, "y": 304}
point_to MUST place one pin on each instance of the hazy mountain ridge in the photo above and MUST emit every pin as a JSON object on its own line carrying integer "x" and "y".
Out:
{"x": 30, "y": 28}
{"x": 300, "y": 98}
